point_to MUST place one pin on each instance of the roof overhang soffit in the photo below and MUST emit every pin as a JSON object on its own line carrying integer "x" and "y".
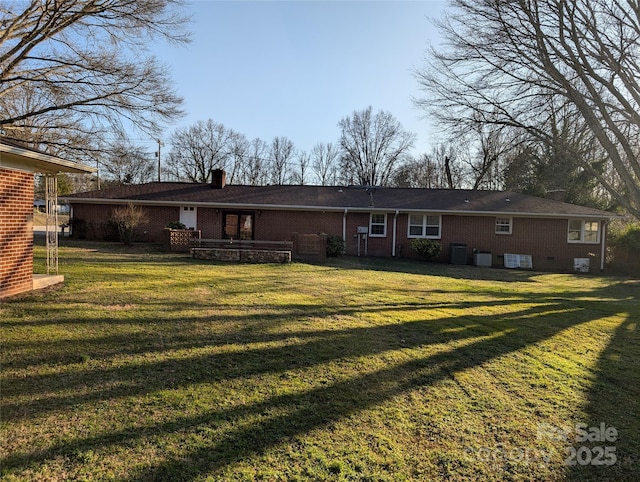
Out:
{"x": 13, "y": 157}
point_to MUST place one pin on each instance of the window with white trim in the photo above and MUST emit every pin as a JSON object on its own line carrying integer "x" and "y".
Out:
{"x": 424, "y": 226}
{"x": 503, "y": 225}
{"x": 378, "y": 225}
{"x": 583, "y": 231}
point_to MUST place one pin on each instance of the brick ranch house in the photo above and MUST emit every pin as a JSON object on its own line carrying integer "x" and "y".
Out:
{"x": 18, "y": 165}
{"x": 372, "y": 221}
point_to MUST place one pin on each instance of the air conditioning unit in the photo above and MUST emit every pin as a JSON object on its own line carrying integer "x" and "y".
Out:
{"x": 482, "y": 258}
{"x": 581, "y": 265}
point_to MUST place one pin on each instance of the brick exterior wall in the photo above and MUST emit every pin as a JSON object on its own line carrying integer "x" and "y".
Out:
{"x": 543, "y": 238}
{"x": 91, "y": 221}
{"x": 16, "y": 231}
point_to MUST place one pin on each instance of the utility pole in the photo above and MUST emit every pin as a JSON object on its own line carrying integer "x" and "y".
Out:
{"x": 158, "y": 156}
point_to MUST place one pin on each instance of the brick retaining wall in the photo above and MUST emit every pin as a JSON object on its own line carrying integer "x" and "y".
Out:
{"x": 242, "y": 255}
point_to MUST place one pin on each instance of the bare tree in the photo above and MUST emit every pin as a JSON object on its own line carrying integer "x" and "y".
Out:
{"x": 281, "y": 153}
{"x": 46, "y": 131}
{"x": 126, "y": 163}
{"x": 300, "y": 175}
{"x": 507, "y": 62}
{"x": 73, "y": 70}
{"x": 256, "y": 166}
{"x": 238, "y": 153}
{"x": 324, "y": 161}
{"x": 418, "y": 173}
{"x": 442, "y": 168}
{"x": 199, "y": 149}
{"x": 373, "y": 146}
{"x": 487, "y": 146}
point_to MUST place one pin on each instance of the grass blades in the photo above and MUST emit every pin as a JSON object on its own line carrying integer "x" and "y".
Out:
{"x": 152, "y": 366}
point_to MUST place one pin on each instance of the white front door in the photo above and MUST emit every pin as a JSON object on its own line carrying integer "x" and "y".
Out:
{"x": 189, "y": 216}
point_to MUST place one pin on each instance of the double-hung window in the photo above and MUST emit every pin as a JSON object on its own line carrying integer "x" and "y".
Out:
{"x": 583, "y": 231}
{"x": 378, "y": 225}
{"x": 503, "y": 225}
{"x": 424, "y": 226}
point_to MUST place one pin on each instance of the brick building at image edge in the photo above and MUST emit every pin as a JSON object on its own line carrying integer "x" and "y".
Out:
{"x": 18, "y": 167}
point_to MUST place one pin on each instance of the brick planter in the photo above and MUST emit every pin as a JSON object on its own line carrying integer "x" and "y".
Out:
{"x": 242, "y": 255}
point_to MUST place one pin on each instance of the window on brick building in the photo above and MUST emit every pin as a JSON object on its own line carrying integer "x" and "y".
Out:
{"x": 378, "y": 225}
{"x": 424, "y": 226}
{"x": 583, "y": 231}
{"x": 503, "y": 225}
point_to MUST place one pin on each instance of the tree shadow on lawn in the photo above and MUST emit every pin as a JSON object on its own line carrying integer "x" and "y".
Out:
{"x": 322, "y": 406}
{"x": 431, "y": 268}
{"x": 401, "y": 265}
{"x": 312, "y": 348}
{"x": 613, "y": 400}
{"x": 297, "y": 414}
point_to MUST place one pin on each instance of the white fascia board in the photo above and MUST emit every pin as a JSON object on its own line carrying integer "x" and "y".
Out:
{"x": 241, "y": 206}
{"x": 13, "y": 157}
{"x": 511, "y": 214}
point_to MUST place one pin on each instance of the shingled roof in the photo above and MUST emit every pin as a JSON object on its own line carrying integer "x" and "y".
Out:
{"x": 353, "y": 198}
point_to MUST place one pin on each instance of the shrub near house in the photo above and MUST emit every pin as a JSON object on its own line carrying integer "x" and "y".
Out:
{"x": 427, "y": 248}
{"x": 126, "y": 220}
{"x": 625, "y": 249}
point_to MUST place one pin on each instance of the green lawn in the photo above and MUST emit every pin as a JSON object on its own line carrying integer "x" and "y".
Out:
{"x": 150, "y": 366}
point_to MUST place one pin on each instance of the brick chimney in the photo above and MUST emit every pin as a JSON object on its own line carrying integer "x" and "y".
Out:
{"x": 218, "y": 178}
{"x": 557, "y": 195}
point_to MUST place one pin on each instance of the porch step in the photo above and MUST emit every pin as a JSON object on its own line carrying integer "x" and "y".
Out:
{"x": 41, "y": 281}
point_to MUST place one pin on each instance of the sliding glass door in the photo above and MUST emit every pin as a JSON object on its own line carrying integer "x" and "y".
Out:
{"x": 238, "y": 226}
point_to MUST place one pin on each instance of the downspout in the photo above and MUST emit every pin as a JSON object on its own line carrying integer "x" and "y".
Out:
{"x": 603, "y": 242}
{"x": 344, "y": 224}
{"x": 395, "y": 225}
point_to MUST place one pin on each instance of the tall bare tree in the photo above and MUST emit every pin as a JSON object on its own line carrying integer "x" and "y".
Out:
{"x": 256, "y": 165}
{"x": 324, "y": 161}
{"x": 238, "y": 153}
{"x": 126, "y": 163}
{"x": 301, "y": 175}
{"x": 373, "y": 145}
{"x": 422, "y": 172}
{"x": 507, "y": 62}
{"x": 281, "y": 154}
{"x": 488, "y": 147}
{"x": 74, "y": 70}
{"x": 199, "y": 149}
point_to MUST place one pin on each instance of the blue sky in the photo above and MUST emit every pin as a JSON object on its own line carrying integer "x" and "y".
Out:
{"x": 296, "y": 68}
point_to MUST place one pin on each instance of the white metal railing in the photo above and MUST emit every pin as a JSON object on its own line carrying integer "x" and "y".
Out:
{"x": 51, "y": 233}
